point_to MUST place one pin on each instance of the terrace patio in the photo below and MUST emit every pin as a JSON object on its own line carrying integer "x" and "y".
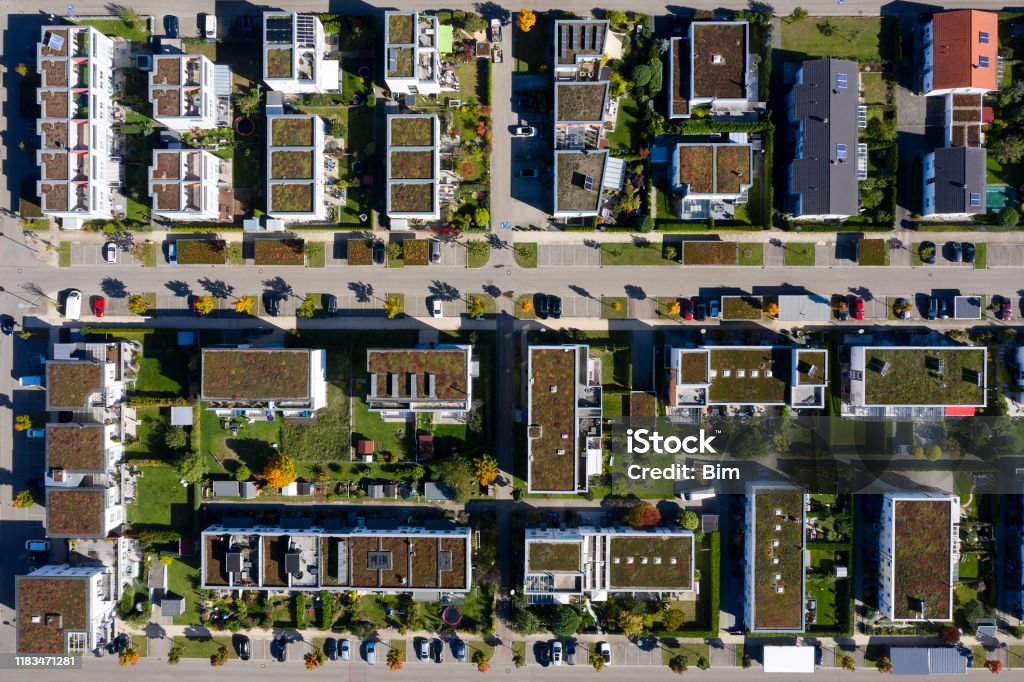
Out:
{"x": 168, "y": 71}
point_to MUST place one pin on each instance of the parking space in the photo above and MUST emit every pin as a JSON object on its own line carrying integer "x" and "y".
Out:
{"x": 1005, "y": 255}
{"x": 454, "y": 255}
{"x": 92, "y": 254}
{"x": 567, "y": 255}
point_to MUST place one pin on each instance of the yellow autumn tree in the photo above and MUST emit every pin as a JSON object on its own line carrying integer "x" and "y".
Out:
{"x": 246, "y": 305}
{"x": 129, "y": 657}
{"x": 526, "y": 306}
{"x": 392, "y": 307}
{"x": 526, "y": 20}
{"x": 772, "y": 309}
{"x": 616, "y": 306}
{"x": 203, "y": 304}
{"x": 486, "y": 470}
{"x": 279, "y": 471}
{"x": 673, "y": 309}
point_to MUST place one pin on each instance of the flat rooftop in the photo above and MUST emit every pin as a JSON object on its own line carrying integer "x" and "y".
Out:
{"x": 69, "y": 383}
{"x": 778, "y": 559}
{"x": 75, "y": 447}
{"x": 924, "y": 376}
{"x": 658, "y": 562}
{"x": 75, "y": 512}
{"x": 922, "y": 558}
{"x": 719, "y": 60}
{"x": 414, "y": 373}
{"x": 554, "y": 557}
{"x": 255, "y": 374}
{"x": 49, "y": 607}
{"x": 576, "y": 39}
{"x": 572, "y": 172}
{"x": 578, "y": 102}
{"x": 552, "y": 431}
{"x": 748, "y": 376}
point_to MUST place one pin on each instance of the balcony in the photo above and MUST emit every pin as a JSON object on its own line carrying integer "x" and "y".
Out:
{"x": 82, "y": 204}
{"x": 80, "y": 75}
{"x": 307, "y": 66}
{"x": 81, "y": 47}
{"x": 193, "y": 72}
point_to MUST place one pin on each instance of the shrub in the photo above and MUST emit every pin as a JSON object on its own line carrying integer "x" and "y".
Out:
{"x": 220, "y": 658}
{"x": 243, "y": 473}
{"x": 690, "y": 520}
{"x": 566, "y": 622}
{"x": 137, "y": 304}
{"x": 642, "y": 515}
{"x": 23, "y": 499}
{"x": 23, "y": 422}
{"x": 679, "y": 664}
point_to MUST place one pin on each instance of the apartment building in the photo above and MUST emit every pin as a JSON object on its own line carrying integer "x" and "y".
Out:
{"x": 190, "y": 184}
{"x": 774, "y": 588}
{"x": 259, "y": 383}
{"x": 413, "y": 168}
{"x": 436, "y": 381}
{"x": 412, "y": 61}
{"x": 296, "y": 176}
{"x": 182, "y": 91}
{"x": 295, "y": 52}
{"x": 65, "y": 610}
{"x": 712, "y": 67}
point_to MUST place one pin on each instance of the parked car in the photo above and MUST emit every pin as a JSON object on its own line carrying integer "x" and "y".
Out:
{"x": 570, "y": 653}
{"x": 172, "y": 253}
{"x": 110, "y": 252}
{"x": 605, "y": 651}
{"x": 242, "y": 644}
{"x": 331, "y": 648}
{"x": 435, "y": 251}
{"x": 37, "y": 545}
{"x": 279, "y": 649}
{"x": 99, "y": 306}
{"x": 556, "y": 653}
{"x": 73, "y": 305}
{"x": 435, "y": 307}
{"x": 528, "y": 172}
{"x": 943, "y": 309}
{"x": 968, "y": 252}
{"x": 700, "y": 308}
{"x": 438, "y": 649}
{"x": 330, "y": 304}
{"x": 555, "y": 303}
{"x": 956, "y": 252}
{"x": 379, "y": 252}
{"x": 371, "y": 653}
{"x": 272, "y": 303}
{"x": 209, "y": 26}
{"x": 33, "y": 380}
{"x": 423, "y": 650}
{"x": 540, "y": 306}
{"x": 926, "y": 251}
{"x": 902, "y": 308}
{"x": 6, "y": 325}
{"x": 460, "y": 650}
{"x": 685, "y": 309}
{"x": 1005, "y": 308}
{"x": 858, "y": 308}
{"x": 713, "y": 307}
{"x": 543, "y": 653}
{"x": 344, "y": 650}
{"x": 121, "y": 643}
{"x": 933, "y": 308}
{"x": 171, "y": 26}
{"x": 525, "y": 131}
{"x": 36, "y": 433}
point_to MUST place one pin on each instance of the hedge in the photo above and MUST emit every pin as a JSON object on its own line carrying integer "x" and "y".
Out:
{"x": 830, "y": 546}
{"x": 154, "y": 401}
{"x": 716, "y": 596}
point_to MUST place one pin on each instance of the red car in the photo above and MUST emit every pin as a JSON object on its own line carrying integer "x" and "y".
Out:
{"x": 858, "y": 308}
{"x": 1005, "y": 308}
{"x": 686, "y": 309}
{"x": 195, "y": 307}
{"x": 99, "y": 306}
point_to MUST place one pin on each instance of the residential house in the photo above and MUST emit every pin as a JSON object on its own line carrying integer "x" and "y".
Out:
{"x": 745, "y": 376}
{"x": 65, "y": 610}
{"x": 580, "y": 48}
{"x": 412, "y": 62}
{"x": 909, "y": 382}
{"x": 711, "y": 178}
{"x": 712, "y": 67}
{"x": 954, "y": 182}
{"x": 774, "y": 587}
{"x": 90, "y": 378}
{"x": 78, "y": 164}
{"x": 961, "y": 53}
{"x": 413, "y": 168}
{"x": 182, "y": 91}
{"x": 383, "y": 558}
{"x": 918, "y": 548}
{"x": 296, "y": 176}
{"x": 825, "y": 116}
{"x": 190, "y": 184}
{"x": 561, "y": 564}
{"x": 295, "y": 57}
{"x": 256, "y": 383}
{"x": 436, "y": 381}
{"x": 564, "y": 412}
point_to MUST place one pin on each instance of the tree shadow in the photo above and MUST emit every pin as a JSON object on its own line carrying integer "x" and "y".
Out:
{"x": 579, "y": 291}
{"x": 179, "y": 288}
{"x": 253, "y": 452}
{"x": 362, "y": 291}
{"x": 217, "y": 288}
{"x": 277, "y": 285}
{"x": 114, "y": 288}
{"x": 492, "y": 290}
{"x": 635, "y": 292}
{"x": 444, "y": 291}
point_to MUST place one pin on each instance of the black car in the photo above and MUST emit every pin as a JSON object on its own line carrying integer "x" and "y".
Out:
{"x": 331, "y": 648}
{"x": 927, "y": 252}
{"x": 700, "y": 309}
{"x": 555, "y": 303}
{"x": 272, "y": 303}
{"x": 279, "y": 649}
{"x": 968, "y": 252}
{"x": 379, "y": 251}
{"x": 171, "y": 26}
{"x": 956, "y": 252}
{"x": 540, "y": 305}
{"x": 6, "y": 325}
{"x": 330, "y": 304}
{"x": 943, "y": 309}
{"x": 543, "y": 653}
{"x": 933, "y": 308}
{"x": 242, "y": 644}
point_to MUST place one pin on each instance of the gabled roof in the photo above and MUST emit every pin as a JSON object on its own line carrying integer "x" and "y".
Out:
{"x": 957, "y": 49}
{"x": 827, "y": 117}
{"x": 959, "y": 173}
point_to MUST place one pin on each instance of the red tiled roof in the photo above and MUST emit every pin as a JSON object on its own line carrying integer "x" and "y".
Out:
{"x": 956, "y": 49}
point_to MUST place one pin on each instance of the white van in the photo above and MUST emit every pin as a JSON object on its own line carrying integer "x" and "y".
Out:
{"x": 210, "y": 26}
{"x": 73, "y": 305}
{"x": 697, "y": 494}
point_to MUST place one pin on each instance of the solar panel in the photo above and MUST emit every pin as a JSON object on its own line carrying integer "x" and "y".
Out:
{"x": 55, "y": 43}
{"x": 840, "y": 151}
{"x": 378, "y": 561}
{"x": 588, "y": 183}
{"x": 983, "y": 61}
{"x": 975, "y": 199}
{"x": 841, "y": 80}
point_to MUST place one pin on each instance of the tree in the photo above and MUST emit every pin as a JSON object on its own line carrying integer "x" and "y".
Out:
{"x": 616, "y": 305}
{"x": 128, "y": 657}
{"x": 1009, "y": 217}
{"x": 478, "y": 248}
{"x": 690, "y": 520}
{"x": 203, "y": 304}
{"x": 482, "y": 217}
{"x": 248, "y": 103}
{"x": 137, "y": 304}
{"x": 191, "y": 465}
{"x": 243, "y": 473}
{"x": 934, "y": 452}
{"x": 631, "y": 624}
{"x": 671, "y": 253}
{"x": 220, "y": 658}
{"x": 918, "y": 452}
{"x": 970, "y": 613}
{"x": 246, "y": 305}
{"x": 396, "y": 657}
{"x": 641, "y": 75}
{"x": 884, "y": 665}
{"x": 524, "y": 618}
{"x": 703, "y": 663}
{"x": 797, "y": 15}
{"x": 338, "y": 129}
{"x": 526, "y": 306}
{"x": 994, "y": 666}
{"x": 846, "y": 662}
{"x": 128, "y": 15}
{"x": 616, "y": 18}
{"x": 597, "y": 660}
{"x": 22, "y": 70}
{"x": 1008, "y": 149}
{"x": 566, "y": 622}
{"x": 308, "y": 307}
{"x": 394, "y": 250}
{"x": 279, "y": 471}
{"x": 314, "y": 659}
{"x": 949, "y": 635}
{"x": 175, "y": 438}
{"x": 480, "y": 659}
{"x": 772, "y": 309}
{"x": 459, "y": 474}
{"x": 174, "y": 655}
{"x": 673, "y": 309}
{"x": 22, "y": 422}
{"x": 646, "y": 224}
{"x": 642, "y": 515}
{"x": 476, "y": 307}
{"x": 486, "y": 470}
{"x": 679, "y": 664}
{"x": 526, "y": 20}
{"x": 392, "y": 307}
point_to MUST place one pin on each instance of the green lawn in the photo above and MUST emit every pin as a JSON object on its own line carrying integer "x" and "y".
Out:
{"x": 824, "y": 590}
{"x": 316, "y": 255}
{"x": 633, "y": 254}
{"x": 64, "y": 254}
{"x": 395, "y": 438}
{"x": 625, "y": 126}
{"x": 204, "y": 648}
{"x": 799, "y": 253}
{"x": 981, "y": 256}
{"x": 253, "y": 445}
{"x": 998, "y": 174}
{"x": 853, "y": 37}
{"x": 526, "y": 254}
{"x": 874, "y": 87}
{"x": 521, "y": 300}
{"x": 327, "y": 439}
{"x": 183, "y": 580}
{"x": 164, "y": 367}
{"x": 969, "y": 568}
{"x": 161, "y": 500}
{"x": 141, "y": 644}
{"x": 614, "y": 308}
{"x": 751, "y": 253}
{"x": 478, "y": 260}
{"x": 691, "y": 651}
{"x": 115, "y": 27}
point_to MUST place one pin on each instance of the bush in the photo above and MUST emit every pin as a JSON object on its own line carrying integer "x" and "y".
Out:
{"x": 642, "y": 515}
{"x": 566, "y": 622}
{"x": 326, "y": 610}
{"x": 1008, "y": 217}
{"x": 679, "y": 664}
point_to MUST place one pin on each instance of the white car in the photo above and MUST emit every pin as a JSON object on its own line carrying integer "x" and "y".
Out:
{"x": 344, "y": 650}
{"x": 73, "y": 305}
{"x": 605, "y": 651}
{"x": 435, "y": 307}
{"x": 525, "y": 131}
{"x": 423, "y": 651}
{"x": 37, "y": 545}
{"x": 556, "y": 653}
{"x": 110, "y": 252}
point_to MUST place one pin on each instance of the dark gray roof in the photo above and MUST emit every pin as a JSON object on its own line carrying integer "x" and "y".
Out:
{"x": 927, "y": 661}
{"x": 225, "y": 488}
{"x": 437, "y": 492}
{"x": 959, "y": 172}
{"x": 828, "y": 115}
{"x": 172, "y": 606}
